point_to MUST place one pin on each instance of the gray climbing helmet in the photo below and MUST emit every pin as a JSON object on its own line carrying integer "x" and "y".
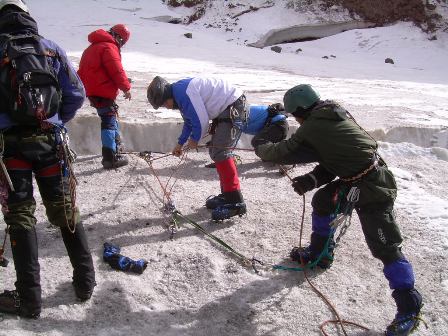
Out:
{"x": 159, "y": 90}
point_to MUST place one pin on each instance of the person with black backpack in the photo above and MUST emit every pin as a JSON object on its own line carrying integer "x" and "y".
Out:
{"x": 39, "y": 92}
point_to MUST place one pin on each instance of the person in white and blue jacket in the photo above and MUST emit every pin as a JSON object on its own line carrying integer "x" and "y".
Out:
{"x": 268, "y": 118}
{"x": 201, "y": 100}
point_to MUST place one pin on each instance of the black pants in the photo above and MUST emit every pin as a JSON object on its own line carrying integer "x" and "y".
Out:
{"x": 374, "y": 208}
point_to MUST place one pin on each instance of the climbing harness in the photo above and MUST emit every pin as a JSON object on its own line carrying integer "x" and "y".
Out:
{"x": 66, "y": 158}
{"x": 344, "y": 219}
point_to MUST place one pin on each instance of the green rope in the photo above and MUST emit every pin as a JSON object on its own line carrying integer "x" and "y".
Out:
{"x": 308, "y": 266}
{"x": 177, "y": 215}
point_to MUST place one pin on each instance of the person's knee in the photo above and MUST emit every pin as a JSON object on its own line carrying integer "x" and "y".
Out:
{"x": 21, "y": 215}
{"x": 386, "y": 254}
{"x": 61, "y": 212}
{"x": 323, "y": 203}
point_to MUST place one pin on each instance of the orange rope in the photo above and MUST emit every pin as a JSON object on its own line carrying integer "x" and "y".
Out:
{"x": 326, "y": 300}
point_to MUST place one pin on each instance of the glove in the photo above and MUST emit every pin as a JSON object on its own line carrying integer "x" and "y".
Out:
{"x": 275, "y": 109}
{"x": 109, "y": 251}
{"x": 304, "y": 183}
{"x": 112, "y": 256}
{"x": 122, "y": 263}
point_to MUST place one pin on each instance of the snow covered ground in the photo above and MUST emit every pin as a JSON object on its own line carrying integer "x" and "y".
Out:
{"x": 192, "y": 286}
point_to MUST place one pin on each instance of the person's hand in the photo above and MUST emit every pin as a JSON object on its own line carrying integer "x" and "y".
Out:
{"x": 177, "y": 151}
{"x": 127, "y": 94}
{"x": 303, "y": 183}
{"x": 276, "y": 108}
{"x": 192, "y": 144}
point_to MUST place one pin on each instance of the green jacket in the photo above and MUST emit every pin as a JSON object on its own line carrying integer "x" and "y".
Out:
{"x": 342, "y": 147}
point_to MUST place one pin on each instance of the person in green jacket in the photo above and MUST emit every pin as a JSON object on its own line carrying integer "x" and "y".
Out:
{"x": 352, "y": 176}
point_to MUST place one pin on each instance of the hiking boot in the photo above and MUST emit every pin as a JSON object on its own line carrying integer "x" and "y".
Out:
{"x": 112, "y": 160}
{"x": 407, "y": 319}
{"x": 228, "y": 210}
{"x": 403, "y": 324}
{"x": 10, "y": 303}
{"x": 83, "y": 293}
{"x": 319, "y": 253}
{"x": 212, "y": 202}
{"x": 117, "y": 162}
{"x": 227, "y": 197}
{"x": 26, "y": 299}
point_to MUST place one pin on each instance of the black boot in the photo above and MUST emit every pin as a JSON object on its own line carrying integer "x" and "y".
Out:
{"x": 213, "y": 202}
{"x": 26, "y": 300}
{"x": 407, "y": 319}
{"x": 315, "y": 252}
{"x": 111, "y": 159}
{"x": 230, "y": 197}
{"x": 234, "y": 206}
{"x": 81, "y": 260}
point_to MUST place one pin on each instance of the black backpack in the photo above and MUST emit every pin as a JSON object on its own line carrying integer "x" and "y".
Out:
{"x": 29, "y": 88}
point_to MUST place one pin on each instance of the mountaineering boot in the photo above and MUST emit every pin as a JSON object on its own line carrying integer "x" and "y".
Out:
{"x": 120, "y": 161}
{"x": 111, "y": 159}
{"x": 81, "y": 260}
{"x": 212, "y": 202}
{"x": 26, "y": 300}
{"x": 317, "y": 252}
{"x": 233, "y": 206}
{"x": 228, "y": 210}
{"x": 407, "y": 319}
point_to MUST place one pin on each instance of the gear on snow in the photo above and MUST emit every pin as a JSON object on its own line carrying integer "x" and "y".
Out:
{"x": 319, "y": 253}
{"x": 117, "y": 261}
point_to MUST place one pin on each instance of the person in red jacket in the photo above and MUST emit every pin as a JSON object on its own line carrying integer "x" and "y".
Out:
{"x": 102, "y": 73}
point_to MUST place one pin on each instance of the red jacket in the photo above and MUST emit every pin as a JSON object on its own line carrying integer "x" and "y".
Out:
{"x": 100, "y": 68}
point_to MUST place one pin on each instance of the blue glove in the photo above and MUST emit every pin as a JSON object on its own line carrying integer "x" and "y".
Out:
{"x": 117, "y": 261}
{"x": 109, "y": 251}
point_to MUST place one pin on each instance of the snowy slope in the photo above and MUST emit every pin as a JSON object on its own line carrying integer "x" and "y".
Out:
{"x": 192, "y": 286}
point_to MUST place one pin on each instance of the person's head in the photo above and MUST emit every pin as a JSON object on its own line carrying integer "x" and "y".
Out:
{"x": 160, "y": 93}
{"x": 299, "y": 100}
{"x": 12, "y": 5}
{"x": 120, "y": 33}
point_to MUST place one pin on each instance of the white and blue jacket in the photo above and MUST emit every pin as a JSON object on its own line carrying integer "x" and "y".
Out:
{"x": 201, "y": 100}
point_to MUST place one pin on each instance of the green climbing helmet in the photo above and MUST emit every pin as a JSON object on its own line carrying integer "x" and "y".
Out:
{"x": 299, "y": 99}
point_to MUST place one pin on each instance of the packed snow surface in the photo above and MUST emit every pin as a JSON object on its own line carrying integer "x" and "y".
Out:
{"x": 192, "y": 285}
